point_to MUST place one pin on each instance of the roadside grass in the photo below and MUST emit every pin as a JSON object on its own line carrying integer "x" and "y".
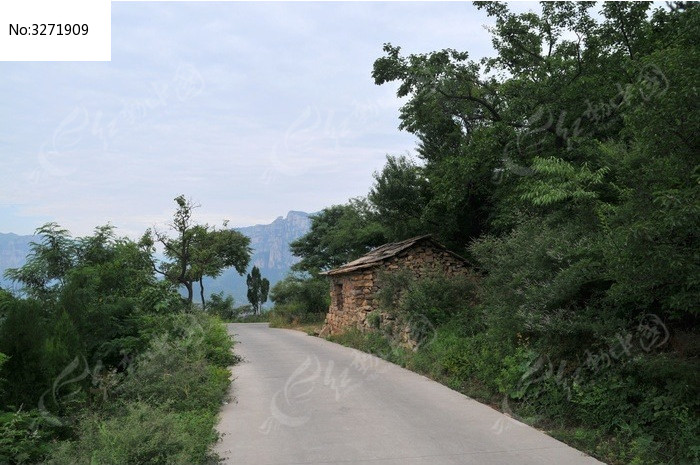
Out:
{"x": 293, "y": 317}
{"x": 312, "y": 328}
{"x": 424, "y": 362}
{"x": 164, "y": 409}
{"x": 256, "y": 318}
{"x": 474, "y": 367}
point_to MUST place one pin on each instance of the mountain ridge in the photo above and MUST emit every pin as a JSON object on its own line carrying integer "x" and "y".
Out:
{"x": 270, "y": 243}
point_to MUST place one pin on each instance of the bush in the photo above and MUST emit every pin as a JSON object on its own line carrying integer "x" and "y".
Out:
{"x": 22, "y": 441}
{"x": 37, "y": 349}
{"x": 216, "y": 342}
{"x": 422, "y": 304}
{"x": 222, "y": 307}
{"x": 101, "y": 341}
{"x": 166, "y": 403}
{"x": 437, "y": 298}
{"x": 293, "y": 314}
{"x": 309, "y": 293}
{"x": 186, "y": 372}
{"x": 299, "y": 300}
{"x": 472, "y": 364}
{"x": 374, "y": 319}
{"x": 141, "y": 434}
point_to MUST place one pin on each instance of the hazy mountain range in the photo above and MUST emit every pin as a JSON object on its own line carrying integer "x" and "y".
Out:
{"x": 270, "y": 243}
{"x": 13, "y": 253}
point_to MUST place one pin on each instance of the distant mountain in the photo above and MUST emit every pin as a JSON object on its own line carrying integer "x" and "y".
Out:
{"x": 270, "y": 243}
{"x": 13, "y": 254}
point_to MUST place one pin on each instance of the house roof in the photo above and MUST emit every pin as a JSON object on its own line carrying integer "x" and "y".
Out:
{"x": 384, "y": 252}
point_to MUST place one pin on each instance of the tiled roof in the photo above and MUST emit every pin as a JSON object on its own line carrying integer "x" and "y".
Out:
{"x": 383, "y": 252}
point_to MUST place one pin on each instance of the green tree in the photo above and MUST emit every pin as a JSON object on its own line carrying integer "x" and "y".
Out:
{"x": 258, "y": 288}
{"x": 196, "y": 250}
{"x": 215, "y": 250}
{"x": 306, "y": 294}
{"x": 48, "y": 262}
{"x": 338, "y": 234}
{"x": 566, "y": 165}
{"x": 398, "y": 199}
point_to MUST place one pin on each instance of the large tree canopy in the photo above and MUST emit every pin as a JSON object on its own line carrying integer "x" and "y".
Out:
{"x": 562, "y": 82}
{"x": 338, "y": 234}
{"x": 196, "y": 250}
{"x": 587, "y": 125}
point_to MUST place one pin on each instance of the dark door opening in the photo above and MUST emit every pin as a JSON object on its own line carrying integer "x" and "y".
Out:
{"x": 338, "y": 291}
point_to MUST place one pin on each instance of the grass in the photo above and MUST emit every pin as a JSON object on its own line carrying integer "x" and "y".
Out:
{"x": 256, "y": 318}
{"x": 310, "y": 323}
{"x": 458, "y": 365}
{"x": 311, "y": 328}
{"x": 164, "y": 409}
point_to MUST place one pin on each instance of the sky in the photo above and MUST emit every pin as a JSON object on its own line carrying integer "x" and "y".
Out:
{"x": 250, "y": 109}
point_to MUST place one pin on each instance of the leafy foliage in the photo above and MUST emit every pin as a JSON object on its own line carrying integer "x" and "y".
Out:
{"x": 258, "y": 288}
{"x": 566, "y": 167}
{"x": 99, "y": 363}
{"x": 20, "y": 441}
{"x": 222, "y": 306}
{"x": 338, "y": 234}
{"x": 398, "y": 198}
{"x": 299, "y": 299}
{"x": 196, "y": 250}
{"x": 143, "y": 434}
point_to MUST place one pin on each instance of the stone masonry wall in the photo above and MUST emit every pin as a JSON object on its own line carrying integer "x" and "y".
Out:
{"x": 353, "y": 293}
{"x": 351, "y": 300}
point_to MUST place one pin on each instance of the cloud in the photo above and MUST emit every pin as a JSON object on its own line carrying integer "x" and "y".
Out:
{"x": 252, "y": 109}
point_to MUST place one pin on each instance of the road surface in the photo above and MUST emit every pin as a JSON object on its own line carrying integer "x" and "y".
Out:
{"x": 302, "y": 400}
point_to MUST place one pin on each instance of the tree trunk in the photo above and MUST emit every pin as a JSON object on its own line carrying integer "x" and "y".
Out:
{"x": 188, "y": 285}
{"x": 201, "y": 292}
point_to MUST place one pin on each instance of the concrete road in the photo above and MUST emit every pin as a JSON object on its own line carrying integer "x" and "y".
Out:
{"x": 303, "y": 400}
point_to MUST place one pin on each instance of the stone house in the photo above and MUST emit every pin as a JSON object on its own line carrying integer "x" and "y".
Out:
{"x": 353, "y": 286}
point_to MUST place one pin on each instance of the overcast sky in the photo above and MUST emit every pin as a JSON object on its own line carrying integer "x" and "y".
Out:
{"x": 251, "y": 109}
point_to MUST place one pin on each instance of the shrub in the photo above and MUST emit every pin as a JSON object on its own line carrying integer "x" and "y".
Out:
{"x": 425, "y": 303}
{"x": 22, "y": 441}
{"x": 176, "y": 372}
{"x": 437, "y": 298}
{"x": 216, "y": 342}
{"x": 141, "y": 434}
{"x": 166, "y": 403}
{"x": 222, "y": 307}
{"x": 299, "y": 299}
{"x": 374, "y": 319}
{"x": 107, "y": 344}
{"x": 293, "y": 314}
{"x": 473, "y": 364}
{"x": 37, "y": 349}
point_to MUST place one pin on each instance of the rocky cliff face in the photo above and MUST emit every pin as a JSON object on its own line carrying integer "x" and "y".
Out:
{"x": 270, "y": 243}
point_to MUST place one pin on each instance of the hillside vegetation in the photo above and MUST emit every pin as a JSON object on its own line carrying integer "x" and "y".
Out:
{"x": 566, "y": 168}
{"x": 101, "y": 363}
